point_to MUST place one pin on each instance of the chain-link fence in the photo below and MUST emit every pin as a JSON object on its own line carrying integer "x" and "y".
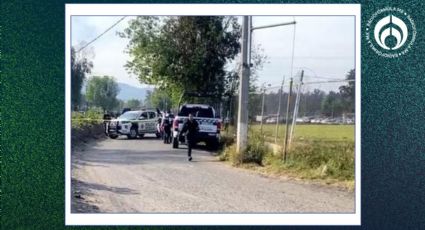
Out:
{"x": 316, "y": 110}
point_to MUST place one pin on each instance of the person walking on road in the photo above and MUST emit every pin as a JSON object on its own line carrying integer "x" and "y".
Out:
{"x": 190, "y": 128}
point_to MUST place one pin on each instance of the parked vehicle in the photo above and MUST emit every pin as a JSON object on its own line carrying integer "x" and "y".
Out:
{"x": 134, "y": 124}
{"x": 303, "y": 120}
{"x": 209, "y": 125}
{"x": 271, "y": 120}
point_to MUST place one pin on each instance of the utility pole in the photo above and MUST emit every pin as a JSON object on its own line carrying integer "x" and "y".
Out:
{"x": 287, "y": 118}
{"x": 242, "y": 132}
{"x": 251, "y": 29}
{"x": 278, "y": 112}
{"x": 297, "y": 105}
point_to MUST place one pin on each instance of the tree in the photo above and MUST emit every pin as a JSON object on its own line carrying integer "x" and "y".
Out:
{"x": 181, "y": 54}
{"x": 80, "y": 67}
{"x": 102, "y": 92}
{"x": 120, "y": 105}
{"x": 133, "y": 104}
{"x": 159, "y": 99}
{"x": 258, "y": 59}
{"x": 348, "y": 92}
{"x": 332, "y": 104}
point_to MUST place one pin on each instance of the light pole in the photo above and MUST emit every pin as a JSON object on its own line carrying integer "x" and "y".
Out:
{"x": 247, "y": 29}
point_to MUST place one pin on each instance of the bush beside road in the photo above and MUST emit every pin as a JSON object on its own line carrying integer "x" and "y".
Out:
{"x": 86, "y": 126}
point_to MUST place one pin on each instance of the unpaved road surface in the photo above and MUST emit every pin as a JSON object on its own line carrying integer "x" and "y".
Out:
{"x": 145, "y": 175}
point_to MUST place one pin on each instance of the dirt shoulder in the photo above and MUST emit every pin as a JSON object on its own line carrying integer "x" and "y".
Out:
{"x": 81, "y": 139}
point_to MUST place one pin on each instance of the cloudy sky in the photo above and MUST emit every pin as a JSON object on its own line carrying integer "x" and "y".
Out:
{"x": 324, "y": 47}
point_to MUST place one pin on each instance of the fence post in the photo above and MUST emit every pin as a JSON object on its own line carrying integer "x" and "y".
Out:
{"x": 297, "y": 105}
{"x": 278, "y": 112}
{"x": 287, "y": 118}
{"x": 262, "y": 111}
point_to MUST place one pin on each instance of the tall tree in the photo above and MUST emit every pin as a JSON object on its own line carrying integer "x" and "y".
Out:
{"x": 258, "y": 59}
{"x": 183, "y": 53}
{"x": 160, "y": 99}
{"x": 80, "y": 67}
{"x": 332, "y": 104}
{"x": 102, "y": 92}
{"x": 133, "y": 104}
{"x": 348, "y": 91}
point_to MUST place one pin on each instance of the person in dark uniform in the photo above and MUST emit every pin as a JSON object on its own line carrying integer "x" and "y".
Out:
{"x": 106, "y": 120}
{"x": 167, "y": 131}
{"x": 190, "y": 128}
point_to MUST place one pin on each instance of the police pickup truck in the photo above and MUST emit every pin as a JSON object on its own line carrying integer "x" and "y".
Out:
{"x": 209, "y": 125}
{"x": 134, "y": 124}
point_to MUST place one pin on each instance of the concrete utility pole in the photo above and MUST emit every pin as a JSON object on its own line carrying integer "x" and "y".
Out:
{"x": 297, "y": 106}
{"x": 247, "y": 29}
{"x": 242, "y": 132}
{"x": 287, "y": 118}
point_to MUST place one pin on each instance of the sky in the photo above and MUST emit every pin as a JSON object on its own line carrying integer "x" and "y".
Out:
{"x": 324, "y": 48}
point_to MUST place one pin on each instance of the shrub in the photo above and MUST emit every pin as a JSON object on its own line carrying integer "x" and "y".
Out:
{"x": 89, "y": 118}
{"x": 254, "y": 153}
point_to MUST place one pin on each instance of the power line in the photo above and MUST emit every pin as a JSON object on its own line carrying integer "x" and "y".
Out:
{"x": 327, "y": 78}
{"x": 312, "y": 82}
{"x": 116, "y": 23}
{"x": 322, "y": 82}
{"x": 311, "y": 57}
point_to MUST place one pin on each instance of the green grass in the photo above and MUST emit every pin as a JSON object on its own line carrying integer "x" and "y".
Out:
{"x": 309, "y": 132}
{"x": 317, "y": 160}
{"x": 318, "y": 152}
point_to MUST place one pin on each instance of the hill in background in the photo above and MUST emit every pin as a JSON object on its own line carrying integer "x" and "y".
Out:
{"x": 128, "y": 92}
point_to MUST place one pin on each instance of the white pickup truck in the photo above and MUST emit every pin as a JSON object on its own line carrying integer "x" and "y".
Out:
{"x": 209, "y": 125}
{"x": 134, "y": 124}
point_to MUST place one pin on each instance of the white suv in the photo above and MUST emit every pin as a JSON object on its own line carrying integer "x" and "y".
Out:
{"x": 134, "y": 124}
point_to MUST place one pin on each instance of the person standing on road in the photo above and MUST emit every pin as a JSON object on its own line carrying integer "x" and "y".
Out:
{"x": 167, "y": 131}
{"x": 106, "y": 120}
{"x": 190, "y": 128}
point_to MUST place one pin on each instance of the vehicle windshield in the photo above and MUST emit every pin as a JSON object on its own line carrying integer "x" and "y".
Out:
{"x": 131, "y": 115}
{"x": 197, "y": 111}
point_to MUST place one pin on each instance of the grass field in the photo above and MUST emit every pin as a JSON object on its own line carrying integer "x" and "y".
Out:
{"x": 309, "y": 132}
{"x": 323, "y": 152}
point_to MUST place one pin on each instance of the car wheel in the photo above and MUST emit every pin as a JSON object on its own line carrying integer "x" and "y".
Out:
{"x": 158, "y": 135}
{"x": 112, "y": 136}
{"x": 175, "y": 143}
{"x": 133, "y": 133}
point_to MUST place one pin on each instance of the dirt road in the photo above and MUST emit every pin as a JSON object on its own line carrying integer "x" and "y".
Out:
{"x": 134, "y": 176}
